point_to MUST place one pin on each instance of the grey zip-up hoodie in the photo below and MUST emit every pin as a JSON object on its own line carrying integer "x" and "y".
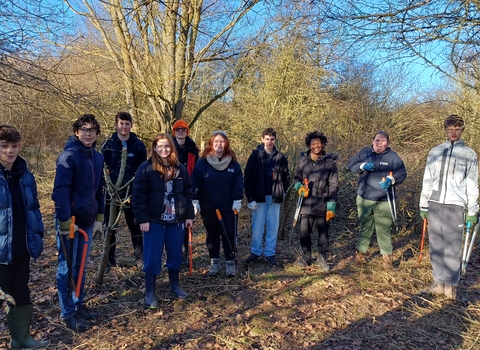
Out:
{"x": 451, "y": 177}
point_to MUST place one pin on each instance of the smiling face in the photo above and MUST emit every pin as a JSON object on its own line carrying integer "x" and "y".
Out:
{"x": 87, "y": 134}
{"x": 219, "y": 145}
{"x": 316, "y": 147}
{"x": 163, "y": 149}
{"x": 380, "y": 143}
{"x": 8, "y": 153}
{"x": 123, "y": 128}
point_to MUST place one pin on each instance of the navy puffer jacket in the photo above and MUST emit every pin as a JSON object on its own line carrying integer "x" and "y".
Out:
{"x": 34, "y": 224}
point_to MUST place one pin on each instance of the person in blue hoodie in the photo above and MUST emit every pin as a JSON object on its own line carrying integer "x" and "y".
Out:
{"x": 21, "y": 236}
{"x": 218, "y": 184}
{"x": 78, "y": 192}
{"x": 136, "y": 155}
{"x": 379, "y": 168}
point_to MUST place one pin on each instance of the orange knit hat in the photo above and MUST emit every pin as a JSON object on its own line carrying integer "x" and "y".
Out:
{"x": 180, "y": 124}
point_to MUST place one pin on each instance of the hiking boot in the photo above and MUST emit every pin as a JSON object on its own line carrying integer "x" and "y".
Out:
{"x": 358, "y": 259}
{"x": 214, "y": 266}
{"x": 387, "y": 261}
{"x": 434, "y": 289}
{"x": 252, "y": 258}
{"x": 85, "y": 313}
{"x": 271, "y": 260}
{"x": 322, "y": 263}
{"x": 230, "y": 270}
{"x": 452, "y": 293}
{"x": 77, "y": 323}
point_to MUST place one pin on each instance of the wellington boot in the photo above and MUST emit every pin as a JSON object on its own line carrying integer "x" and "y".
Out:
{"x": 150, "y": 300}
{"x": 174, "y": 287}
{"x": 18, "y": 320}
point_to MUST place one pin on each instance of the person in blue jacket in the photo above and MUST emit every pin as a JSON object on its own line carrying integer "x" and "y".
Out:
{"x": 379, "y": 168}
{"x": 21, "y": 236}
{"x": 218, "y": 184}
{"x": 78, "y": 192}
{"x": 136, "y": 155}
{"x": 162, "y": 204}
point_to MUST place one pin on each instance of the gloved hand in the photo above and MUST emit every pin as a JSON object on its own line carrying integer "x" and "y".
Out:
{"x": 297, "y": 186}
{"x": 252, "y": 206}
{"x": 196, "y": 206}
{"x": 385, "y": 184}
{"x": 97, "y": 227}
{"x": 367, "y": 166}
{"x": 472, "y": 219}
{"x": 424, "y": 214}
{"x": 237, "y": 205}
{"x": 67, "y": 232}
{"x": 303, "y": 192}
{"x": 331, "y": 210}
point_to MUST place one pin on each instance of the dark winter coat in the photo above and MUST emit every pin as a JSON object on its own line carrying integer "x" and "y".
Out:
{"x": 112, "y": 155}
{"x": 368, "y": 181}
{"x": 254, "y": 176}
{"x": 188, "y": 154}
{"x": 33, "y": 224}
{"x": 217, "y": 189}
{"x": 322, "y": 178}
{"x": 78, "y": 184}
{"x": 149, "y": 192}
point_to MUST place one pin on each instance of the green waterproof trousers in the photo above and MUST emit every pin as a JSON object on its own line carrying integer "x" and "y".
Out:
{"x": 374, "y": 216}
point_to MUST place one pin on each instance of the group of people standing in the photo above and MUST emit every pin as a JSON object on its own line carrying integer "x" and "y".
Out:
{"x": 174, "y": 183}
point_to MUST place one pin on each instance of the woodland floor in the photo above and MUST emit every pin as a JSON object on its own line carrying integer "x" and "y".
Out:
{"x": 263, "y": 307}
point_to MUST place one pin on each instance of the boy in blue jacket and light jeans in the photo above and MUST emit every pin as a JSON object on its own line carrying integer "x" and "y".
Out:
{"x": 77, "y": 191}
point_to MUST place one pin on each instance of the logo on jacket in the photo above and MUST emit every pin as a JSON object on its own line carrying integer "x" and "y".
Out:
{"x": 383, "y": 163}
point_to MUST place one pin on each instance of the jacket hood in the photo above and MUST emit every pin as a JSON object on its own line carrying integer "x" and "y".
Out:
{"x": 189, "y": 145}
{"x": 132, "y": 138}
{"x": 74, "y": 143}
{"x": 18, "y": 167}
{"x": 387, "y": 150}
{"x": 261, "y": 148}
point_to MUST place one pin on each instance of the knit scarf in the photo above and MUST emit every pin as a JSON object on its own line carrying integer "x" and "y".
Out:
{"x": 217, "y": 163}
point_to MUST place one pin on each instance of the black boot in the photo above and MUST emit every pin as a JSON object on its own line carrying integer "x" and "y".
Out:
{"x": 18, "y": 320}
{"x": 174, "y": 287}
{"x": 305, "y": 259}
{"x": 150, "y": 300}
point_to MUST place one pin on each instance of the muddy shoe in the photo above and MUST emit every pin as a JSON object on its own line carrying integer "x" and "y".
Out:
{"x": 453, "y": 293}
{"x": 230, "y": 270}
{"x": 387, "y": 261}
{"x": 322, "y": 263}
{"x": 434, "y": 289}
{"x": 358, "y": 259}
{"x": 214, "y": 266}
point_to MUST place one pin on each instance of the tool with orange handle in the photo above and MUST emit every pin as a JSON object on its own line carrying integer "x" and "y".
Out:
{"x": 299, "y": 204}
{"x": 225, "y": 234}
{"x": 70, "y": 258}
{"x": 422, "y": 242}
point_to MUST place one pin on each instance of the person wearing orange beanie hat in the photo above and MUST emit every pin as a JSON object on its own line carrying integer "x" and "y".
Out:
{"x": 187, "y": 151}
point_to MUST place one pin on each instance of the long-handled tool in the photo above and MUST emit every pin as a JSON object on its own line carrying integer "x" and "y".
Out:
{"x": 299, "y": 205}
{"x": 470, "y": 248}
{"x": 466, "y": 247}
{"x": 387, "y": 192}
{"x": 71, "y": 285}
{"x": 424, "y": 231}
{"x": 225, "y": 234}
{"x": 190, "y": 249}
{"x": 235, "y": 230}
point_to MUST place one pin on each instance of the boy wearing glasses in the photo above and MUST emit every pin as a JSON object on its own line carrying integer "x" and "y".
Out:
{"x": 136, "y": 155}
{"x": 77, "y": 191}
{"x": 449, "y": 201}
{"x": 187, "y": 152}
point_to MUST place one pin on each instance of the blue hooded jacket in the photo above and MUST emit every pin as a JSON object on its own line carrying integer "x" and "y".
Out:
{"x": 78, "y": 185}
{"x": 34, "y": 224}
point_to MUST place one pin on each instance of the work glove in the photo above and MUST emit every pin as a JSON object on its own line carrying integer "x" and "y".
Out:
{"x": 196, "y": 206}
{"x": 237, "y": 205}
{"x": 386, "y": 182}
{"x": 303, "y": 191}
{"x": 424, "y": 214}
{"x": 252, "y": 206}
{"x": 97, "y": 227}
{"x": 472, "y": 219}
{"x": 67, "y": 232}
{"x": 367, "y": 166}
{"x": 331, "y": 210}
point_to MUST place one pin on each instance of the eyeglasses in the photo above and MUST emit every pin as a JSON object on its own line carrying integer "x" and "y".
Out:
{"x": 163, "y": 147}
{"x": 219, "y": 132}
{"x": 181, "y": 129}
{"x": 453, "y": 130}
{"x": 88, "y": 130}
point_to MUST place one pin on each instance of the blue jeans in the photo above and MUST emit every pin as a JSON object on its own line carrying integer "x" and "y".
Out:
{"x": 268, "y": 214}
{"x": 69, "y": 303}
{"x": 169, "y": 236}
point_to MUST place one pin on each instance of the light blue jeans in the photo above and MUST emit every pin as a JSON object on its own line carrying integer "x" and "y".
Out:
{"x": 68, "y": 303}
{"x": 268, "y": 214}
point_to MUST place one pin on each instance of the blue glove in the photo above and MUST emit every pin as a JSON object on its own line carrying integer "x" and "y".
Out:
{"x": 368, "y": 166}
{"x": 385, "y": 184}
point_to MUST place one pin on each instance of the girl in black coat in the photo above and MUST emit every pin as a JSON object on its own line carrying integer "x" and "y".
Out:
{"x": 162, "y": 204}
